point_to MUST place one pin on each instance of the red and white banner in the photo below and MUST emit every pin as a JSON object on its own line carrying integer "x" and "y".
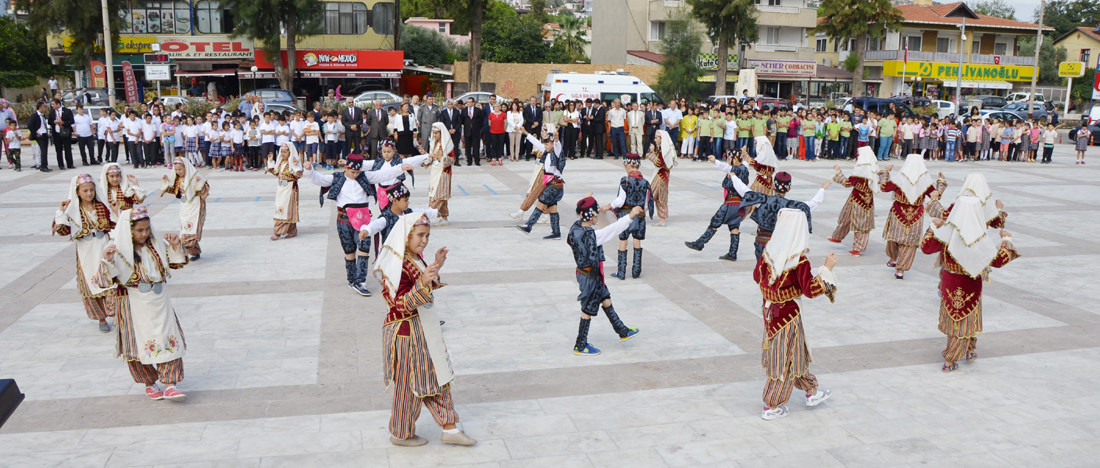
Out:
{"x": 309, "y": 60}
{"x": 206, "y": 47}
{"x": 130, "y": 81}
{"x": 99, "y": 74}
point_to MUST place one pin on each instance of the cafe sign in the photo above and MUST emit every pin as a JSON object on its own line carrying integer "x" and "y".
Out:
{"x": 945, "y": 71}
{"x": 206, "y": 47}
{"x": 710, "y": 61}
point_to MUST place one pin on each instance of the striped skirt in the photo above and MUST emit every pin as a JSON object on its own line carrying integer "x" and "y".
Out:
{"x": 660, "y": 196}
{"x": 785, "y": 356}
{"x": 417, "y": 361}
{"x": 860, "y": 219}
{"x": 897, "y": 231}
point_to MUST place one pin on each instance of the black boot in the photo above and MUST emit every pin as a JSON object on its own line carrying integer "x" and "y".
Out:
{"x": 357, "y": 274}
{"x": 526, "y": 228}
{"x": 555, "y": 229}
{"x": 702, "y": 241}
{"x": 735, "y": 240}
{"x": 637, "y": 270}
{"x": 621, "y": 274}
{"x": 581, "y": 347}
{"x": 624, "y": 332}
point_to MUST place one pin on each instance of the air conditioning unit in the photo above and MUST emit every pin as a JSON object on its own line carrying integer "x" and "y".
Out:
{"x": 825, "y": 61}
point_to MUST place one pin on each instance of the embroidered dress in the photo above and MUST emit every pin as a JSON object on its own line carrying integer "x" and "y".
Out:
{"x": 126, "y": 195}
{"x": 90, "y": 233}
{"x": 858, "y": 214}
{"x": 288, "y": 172}
{"x": 663, "y": 158}
{"x": 905, "y": 222}
{"x": 442, "y": 156}
{"x": 191, "y": 190}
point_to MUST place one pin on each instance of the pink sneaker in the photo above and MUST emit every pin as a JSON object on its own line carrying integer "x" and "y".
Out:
{"x": 154, "y": 393}
{"x": 171, "y": 393}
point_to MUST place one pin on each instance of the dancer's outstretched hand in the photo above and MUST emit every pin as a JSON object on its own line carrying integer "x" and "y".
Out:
{"x": 942, "y": 176}
{"x": 173, "y": 240}
{"x": 441, "y": 256}
{"x": 826, "y": 184}
{"x": 109, "y": 253}
{"x": 937, "y": 222}
{"x": 132, "y": 178}
{"x": 836, "y": 167}
{"x": 1005, "y": 234}
{"x": 1000, "y": 205}
{"x": 889, "y": 168}
{"x": 407, "y": 167}
{"x": 831, "y": 260}
{"x": 308, "y": 166}
{"x": 636, "y": 212}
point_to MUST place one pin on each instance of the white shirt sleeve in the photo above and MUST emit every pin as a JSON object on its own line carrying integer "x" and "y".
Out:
{"x": 431, "y": 212}
{"x": 374, "y": 227}
{"x": 321, "y": 180}
{"x": 416, "y": 160}
{"x": 535, "y": 143}
{"x": 721, "y": 166}
{"x": 381, "y": 175}
{"x": 816, "y": 200}
{"x": 741, "y": 188}
{"x": 620, "y": 199}
{"x": 612, "y": 231}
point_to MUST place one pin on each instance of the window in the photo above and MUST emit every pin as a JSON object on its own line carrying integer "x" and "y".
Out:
{"x": 822, "y": 45}
{"x": 656, "y": 30}
{"x": 442, "y": 28}
{"x": 975, "y": 47}
{"x": 212, "y": 19}
{"x": 1000, "y": 48}
{"x": 773, "y": 36}
{"x": 382, "y": 19}
{"x": 769, "y": 2}
{"x": 346, "y": 18}
{"x": 873, "y": 44}
{"x": 836, "y": 46}
{"x": 943, "y": 45}
{"x": 914, "y": 42}
{"x": 155, "y": 17}
{"x": 1085, "y": 53}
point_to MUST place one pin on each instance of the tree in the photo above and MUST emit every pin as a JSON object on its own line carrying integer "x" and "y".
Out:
{"x": 82, "y": 20}
{"x": 268, "y": 21}
{"x": 538, "y": 11}
{"x": 680, "y": 71}
{"x": 515, "y": 39}
{"x": 726, "y": 21}
{"x": 1065, "y": 15}
{"x": 571, "y": 38}
{"x": 1049, "y": 58}
{"x": 997, "y": 8}
{"x": 425, "y": 46}
{"x": 859, "y": 19}
{"x": 24, "y": 58}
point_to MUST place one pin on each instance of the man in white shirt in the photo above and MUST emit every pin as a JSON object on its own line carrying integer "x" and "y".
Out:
{"x": 267, "y": 137}
{"x": 149, "y": 141}
{"x": 635, "y": 120}
{"x": 133, "y": 130}
{"x": 616, "y": 118}
{"x": 53, "y": 86}
{"x": 297, "y": 132}
{"x": 672, "y": 117}
{"x": 82, "y": 127}
{"x": 102, "y": 126}
{"x": 158, "y": 131}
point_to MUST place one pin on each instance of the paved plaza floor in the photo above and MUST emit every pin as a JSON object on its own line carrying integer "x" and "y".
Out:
{"x": 284, "y": 361}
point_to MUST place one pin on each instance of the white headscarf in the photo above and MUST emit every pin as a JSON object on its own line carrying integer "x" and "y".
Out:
{"x": 294, "y": 159}
{"x": 72, "y": 212}
{"x": 128, "y": 188}
{"x": 448, "y": 144}
{"x": 914, "y": 180}
{"x": 192, "y": 180}
{"x": 391, "y": 258}
{"x": 123, "y": 238}
{"x": 668, "y": 149}
{"x": 790, "y": 240}
{"x": 866, "y": 166}
{"x": 966, "y": 235}
{"x": 764, "y": 153}
{"x": 975, "y": 186}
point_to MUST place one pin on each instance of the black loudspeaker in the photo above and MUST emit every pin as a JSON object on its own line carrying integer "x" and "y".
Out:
{"x": 10, "y": 398}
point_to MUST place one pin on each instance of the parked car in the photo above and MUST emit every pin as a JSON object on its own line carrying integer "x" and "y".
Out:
{"x": 1022, "y": 97}
{"x": 274, "y": 95}
{"x": 171, "y": 101}
{"x": 480, "y": 97}
{"x": 1005, "y": 116}
{"x": 944, "y": 108}
{"x": 370, "y": 96}
{"x": 767, "y": 104}
{"x": 1094, "y": 124}
{"x": 1039, "y": 110}
{"x": 99, "y": 97}
{"x": 281, "y": 107}
{"x": 730, "y": 99}
{"x": 986, "y": 102}
{"x": 916, "y": 101}
{"x": 882, "y": 105}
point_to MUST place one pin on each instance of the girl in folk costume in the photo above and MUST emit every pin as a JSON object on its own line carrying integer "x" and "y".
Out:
{"x": 662, "y": 154}
{"x": 858, "y": 213}
{"x": 974, "y": 185}
{"x": 388, "y": 148}
{"x": 441, "y": 156}
{"x": 587, "y": 245}
{"x": 765, "y": 166}
{"x": 417, "y": 366}
{"x": 905, "y": 223}
{"x": 967, "y": 251}
{"x": 149, "y": 337}
{"x": 87, "y": 220}
{"x": 191, "y": 189}
{"x": 553, "y": 186}
{"x": 119, "y": 188}
{"x": 784, "y": 275}
{"x": 730, "y": 213}
{"x": 634, "y": 192}
{"x": 288, "y": 170}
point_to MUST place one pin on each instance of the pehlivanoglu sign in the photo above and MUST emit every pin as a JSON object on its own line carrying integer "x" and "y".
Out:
{"x": 206, "y": 47}
{"x": 950, "y": 71}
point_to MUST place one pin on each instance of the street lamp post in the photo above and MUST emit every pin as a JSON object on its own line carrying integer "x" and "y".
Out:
{"x": 254, "y": 69}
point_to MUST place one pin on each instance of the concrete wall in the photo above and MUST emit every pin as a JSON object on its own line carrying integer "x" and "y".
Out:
{"x": 523, "y": 80}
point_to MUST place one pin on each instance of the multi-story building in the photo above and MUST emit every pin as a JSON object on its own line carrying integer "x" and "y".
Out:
{"x": 630, "y": 32}
{"x": 924, "y": 56}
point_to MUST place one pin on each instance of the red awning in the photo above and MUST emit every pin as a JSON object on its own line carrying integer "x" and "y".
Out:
{"x": 268, "y": 74}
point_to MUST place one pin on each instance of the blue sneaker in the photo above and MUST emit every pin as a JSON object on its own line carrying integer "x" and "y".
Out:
{"x": 630, "y": 332}
{"x": 588, "y": 350}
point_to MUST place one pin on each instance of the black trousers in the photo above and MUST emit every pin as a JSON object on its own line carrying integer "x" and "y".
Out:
{"x": 473, "y": 148}
{"x": 111, "y": 150}
{"x": 587, "y": 143}
{"x": 598, "y": 142}
{"x": 63, "y": 146}
{"x": 569, "y": 141}
{"x": 43, "y": 148}
{"x": 456, "y": 138}
{"x": 134, "y": 148}
{"x": 100, "y": 145}
{"x": 649, "y": 135}
{"x": 498, "y": 140}
{"x": 82, "y": 143}
{"x": 354, "y": 140}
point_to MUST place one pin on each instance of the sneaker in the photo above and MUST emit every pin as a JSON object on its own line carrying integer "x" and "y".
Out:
{"x": 854, "y": 252}
{"x": 196, "y": 257}
{"x": 154, "y": 393}
{"x": 727, "y": 257}
{"x": 457, "y": 438}
{"x": 171, "y": 393}
{"x": 899, "y": 275}
{"x": 443, "y": 222}
{"x": 523, "y": 228}
{"x": 516, "y": 214}
{"x": 359, "y": 289}
{"x": 834, "y": 240}
{"x": 775, "y": 413}
{"x": 694, "y": 246}
{"x": 105, "y": 327}
{"x": 414, "y": 441}
{"x": 818, "y": 398}
{"x": 553, "y": 236}
{"x": 588, "y": 350}
{"x": 630, "y": 332}
{"x": 891, "y": 264}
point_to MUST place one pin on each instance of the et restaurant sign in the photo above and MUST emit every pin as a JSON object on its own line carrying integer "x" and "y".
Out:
{"x": 206, "y": 47}
{"x": 791, "y": 68}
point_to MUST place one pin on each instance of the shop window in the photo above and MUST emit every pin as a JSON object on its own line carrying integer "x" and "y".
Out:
{"x": 1000, "y": 48}
{"x": 943, "y": 45}
{"x": 822, "y": 45}
{"x": 212, "y": 18}
{"x": 383, "y": 18}
{"x": 155, "y": 17}
{"x": 346, "y": 18}
{"x": 1085, "y": 55}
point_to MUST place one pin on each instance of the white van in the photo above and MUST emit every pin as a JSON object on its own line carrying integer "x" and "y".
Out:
{"x": 606, "y": 86}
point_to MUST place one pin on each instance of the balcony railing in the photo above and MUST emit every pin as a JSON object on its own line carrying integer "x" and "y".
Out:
{"x": 881, "y": 55}
{"x": 1005, "y": 59}
{"x": 918, "y": 56}
{"x": 674, "y": 3}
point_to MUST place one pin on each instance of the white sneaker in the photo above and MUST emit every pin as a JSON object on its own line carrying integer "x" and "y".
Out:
{"x": 818, "y": 397}
{"x": 544, "y": 220}
{"x": 516, "y": 214}
{"x": 442, "y": 222}
{"x": 775, "y": 413}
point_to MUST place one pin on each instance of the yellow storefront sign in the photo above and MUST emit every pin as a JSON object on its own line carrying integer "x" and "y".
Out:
{"x": 950, "y": 71}
{"x": 1071, "y": 69}
{"x": 127, "y": 44}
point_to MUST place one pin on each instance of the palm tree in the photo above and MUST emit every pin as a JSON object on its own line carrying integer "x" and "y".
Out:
{"x": 859, "y": 19}
{"x": 571, "y": 35}
{"x": 727, "y": 21}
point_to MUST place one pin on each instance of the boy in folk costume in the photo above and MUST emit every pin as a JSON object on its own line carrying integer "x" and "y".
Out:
{"x": 351, "y": 189}
{"x": 397, "y": 196}
{"x": 288, "y": 170}
{"x": 191, "y": 189}
{"x": 119, "y": 188}
{"x": 784, "y": 275}
{"x": 415, "y": 357}
{"x": 388, "y": 148}
{"x": 905, "y": 223}
{"x": 553, "y": 185}
{"x": 149, "y": 337}
{"x": 662, "y": 153}
{"x": 634, "y": 192}
{"x": 87, "y": 220}
{"x": 765, "y": 208}
{"x": 858, "y": 213}
{"x": 441, "y": 156}
{"x": 765, "y": 165}
{"x": 966, "y": 253}
{"x": 730, "y": 213}
{"x": 587, "y": 246}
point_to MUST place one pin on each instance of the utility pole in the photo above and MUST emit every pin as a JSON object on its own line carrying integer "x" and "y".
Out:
{"x": 959, "y": 81}
{"x": 1035, "y": 66}
{"x": 108, "y": 50}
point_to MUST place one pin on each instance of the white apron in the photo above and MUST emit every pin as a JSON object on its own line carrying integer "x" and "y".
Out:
{"x": 155, "y": 327}
{"x": 437, "y": 349}
{"x": 283, "y": 199}
{"x": 190, "y": 212}
{"x": 89, "y": 250}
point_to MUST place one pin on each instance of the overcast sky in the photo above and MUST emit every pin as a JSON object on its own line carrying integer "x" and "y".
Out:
{"x": 1024, "y": 8}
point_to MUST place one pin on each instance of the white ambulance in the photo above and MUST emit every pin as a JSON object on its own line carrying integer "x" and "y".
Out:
{"x": 606, "y": 86}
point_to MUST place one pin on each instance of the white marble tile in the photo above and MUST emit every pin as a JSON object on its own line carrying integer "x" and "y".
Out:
{"x": 21, "y": 258}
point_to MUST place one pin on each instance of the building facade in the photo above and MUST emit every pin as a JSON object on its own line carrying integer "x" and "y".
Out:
{"x": 1082, "y": 45}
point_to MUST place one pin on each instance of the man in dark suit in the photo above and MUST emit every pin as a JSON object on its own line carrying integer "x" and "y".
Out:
{"x": 376, "y": 120}
{"x": 599, "y": 127}
{"x": 652, "y": 123}
{"x": 532, "y": 122}
{"x": 61, "y": 124}
{"x": 352, "y": 120}
{"x": 40, "y": 133}
{"x": 586, "y": 128}
{"x": 452, "y": 119}
{"x": 472, "y": 120}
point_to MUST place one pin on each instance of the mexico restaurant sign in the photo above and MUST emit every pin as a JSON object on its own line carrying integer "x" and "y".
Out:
{"x": 950, "y": 71}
